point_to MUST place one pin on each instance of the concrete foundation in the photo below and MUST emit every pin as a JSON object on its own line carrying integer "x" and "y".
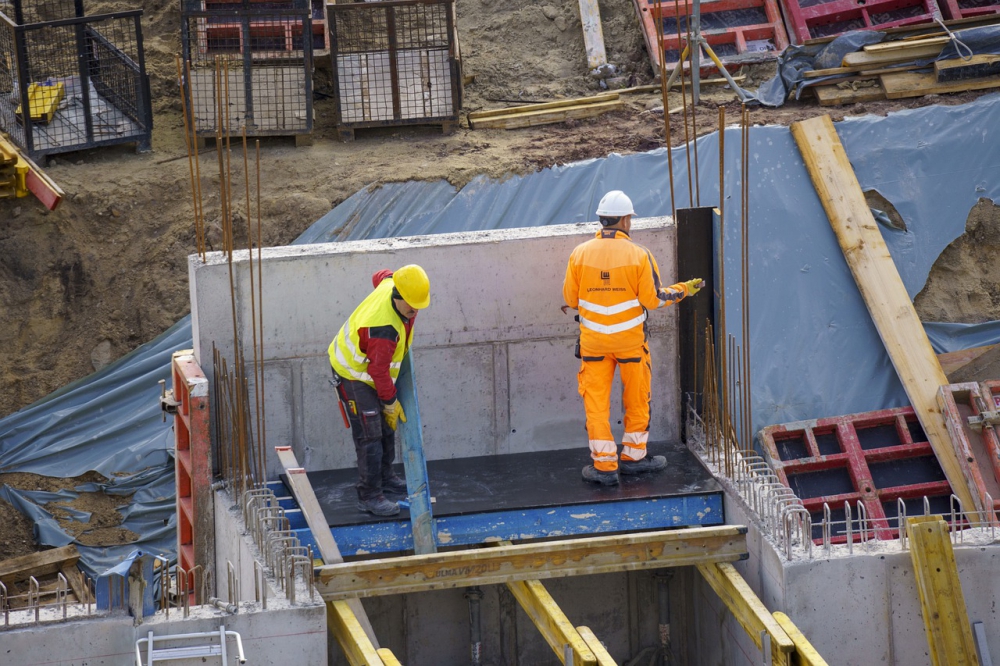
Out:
{"x": 493, "y": 353}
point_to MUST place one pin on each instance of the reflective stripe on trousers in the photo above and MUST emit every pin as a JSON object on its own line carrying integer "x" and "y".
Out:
{"x": 594, "y": 380}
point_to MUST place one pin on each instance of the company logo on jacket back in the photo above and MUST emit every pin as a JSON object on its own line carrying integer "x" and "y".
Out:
{"x": 606, "y": 276}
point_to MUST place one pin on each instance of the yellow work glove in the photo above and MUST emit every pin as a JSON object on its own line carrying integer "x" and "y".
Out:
{"x": 694, "y": 286}
{"x": 393, "y": 414}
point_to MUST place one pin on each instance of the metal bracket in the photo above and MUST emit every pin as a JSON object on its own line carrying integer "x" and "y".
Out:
{"x": 167, "y": 402}
{"x": 985, "y": 419}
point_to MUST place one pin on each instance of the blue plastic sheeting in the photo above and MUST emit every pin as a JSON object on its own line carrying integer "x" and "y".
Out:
{"x": 947, "y": 337}
{"x": 815, "y": 350}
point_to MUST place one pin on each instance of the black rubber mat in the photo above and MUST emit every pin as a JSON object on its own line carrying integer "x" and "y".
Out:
{"x": 519, "y": 481}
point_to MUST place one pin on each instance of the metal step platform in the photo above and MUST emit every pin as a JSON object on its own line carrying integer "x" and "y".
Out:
{"x": 521, "y": 496}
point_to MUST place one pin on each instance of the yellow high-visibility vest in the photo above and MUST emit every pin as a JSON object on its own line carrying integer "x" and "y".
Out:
{"x": 376, "y": 310}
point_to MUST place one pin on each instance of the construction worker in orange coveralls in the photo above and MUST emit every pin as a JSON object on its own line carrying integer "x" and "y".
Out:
{"x": 613, "y": 282}
{"x": 366, "y": 357}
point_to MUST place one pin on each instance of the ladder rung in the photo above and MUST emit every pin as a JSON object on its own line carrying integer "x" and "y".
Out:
{"x": 162, "y": 654}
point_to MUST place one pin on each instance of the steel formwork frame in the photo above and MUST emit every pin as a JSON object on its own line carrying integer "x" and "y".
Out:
{"x": 253, "y": 59}
{"x": 74, "y": 82}
{"x": 395, "y": 63}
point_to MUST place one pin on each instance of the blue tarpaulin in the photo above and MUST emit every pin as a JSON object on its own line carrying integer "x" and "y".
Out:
{"x": 815, "y": 351}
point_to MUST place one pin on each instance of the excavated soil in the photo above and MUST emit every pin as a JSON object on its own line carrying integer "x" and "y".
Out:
{"x": 107, "y": 271}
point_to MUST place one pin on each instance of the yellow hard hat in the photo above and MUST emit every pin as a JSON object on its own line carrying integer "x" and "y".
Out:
{"x": 413, "y": 285}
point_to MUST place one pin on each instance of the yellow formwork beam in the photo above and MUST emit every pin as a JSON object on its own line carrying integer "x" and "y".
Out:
{"x": 388, "y": 658}
{"x": 596, "y": 646}
{"x": 748, "y": 609}
{"x": 350, "y": 636}
{"x": 557, "y": 630}
{"x": 532, "y": 561}
{"x": 946, "y": 621}
{"x": 804, "y": 651}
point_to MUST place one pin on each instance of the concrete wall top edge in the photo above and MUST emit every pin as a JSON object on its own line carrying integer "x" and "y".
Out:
{"x": 427, "y": 240}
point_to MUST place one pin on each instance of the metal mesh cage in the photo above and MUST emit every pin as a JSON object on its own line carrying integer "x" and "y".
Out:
{"x": 73, "y": 83}
{"x": 255, "y": 59}
{"x": 395, "y": 62}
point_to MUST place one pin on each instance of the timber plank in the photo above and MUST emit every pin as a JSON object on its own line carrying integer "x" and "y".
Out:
{"x": 572, "y": 557}
{"x": 885, "y": 47}
{"x": 834, "y": 95}
{"x": 344, "y": 626}
{"x": 558, "y": 104}
{"x": 593, "y": 37}
{"x": 865, "y": 59}
{"x": 952, "y": 361}
{"x": 38, "y": 564}
{"x": 77, "y": 583}
{"x": 596, "y": 646}
{"x": 917, "y": 84}
{"x": 303, "y": 492}
{"x": 883, "y": 291}
{"x": 804, "y": 650}
{"x": 546, "y": 117}
{"x": 553, "y": 624}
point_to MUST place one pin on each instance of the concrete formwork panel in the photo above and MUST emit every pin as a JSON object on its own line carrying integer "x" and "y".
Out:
{"x": 492, "y": 350}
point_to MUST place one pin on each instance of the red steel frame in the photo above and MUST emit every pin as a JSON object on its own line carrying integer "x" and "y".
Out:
{"x": 773, "y": 30}
{"x": 193, "y": 464}
{"x": 981, "y": 448}
{"x": 856, "y": 461}
{"x": 953, "y": 9}
{"x": 803, "y": 20}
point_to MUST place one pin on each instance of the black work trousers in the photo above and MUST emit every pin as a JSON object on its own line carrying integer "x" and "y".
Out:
{"x": 374, "y": 440}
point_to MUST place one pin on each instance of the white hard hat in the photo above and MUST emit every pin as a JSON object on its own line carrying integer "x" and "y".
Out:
{"x": 615, "y": 204}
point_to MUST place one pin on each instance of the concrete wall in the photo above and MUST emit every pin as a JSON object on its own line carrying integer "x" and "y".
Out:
{"x": 493, "y": 353}
{"x": 855, "y": 609}
{"x": 280, "y": 635}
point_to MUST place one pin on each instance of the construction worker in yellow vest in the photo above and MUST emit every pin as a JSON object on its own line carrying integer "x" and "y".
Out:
{"x": 366, "y": 356}
{"x": 613, "y": 282}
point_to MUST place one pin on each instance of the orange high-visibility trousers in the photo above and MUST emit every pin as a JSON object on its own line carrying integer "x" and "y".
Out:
{"x": 595, "y": 377}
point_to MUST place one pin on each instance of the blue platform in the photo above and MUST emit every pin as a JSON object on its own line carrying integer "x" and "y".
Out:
{"x": 518, "y": 497}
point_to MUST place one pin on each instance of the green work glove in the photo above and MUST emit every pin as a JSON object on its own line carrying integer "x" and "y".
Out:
{"x": 393, "y": 414}
{"x": 694, "y": 286}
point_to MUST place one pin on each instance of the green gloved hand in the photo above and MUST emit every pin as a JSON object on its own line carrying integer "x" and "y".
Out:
{"x": 393, "y": 414}
{"x": 694, "y": 286}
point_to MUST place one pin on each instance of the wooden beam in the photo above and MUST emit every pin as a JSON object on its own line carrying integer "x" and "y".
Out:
{"x": 748, "y": 610}
{"x": 77, "y": 583}
{"x": 553, "y": 624}
{"x": 593, "y": 37}
{"x": 946, "y": 621}
{"x": 918, "y": 84}
{"x": 558, "y": 104}
{"x": 353, "y": 640}
{"x": 553, "y": 559}
{"x": 387, "y": 657}
{"x": 303, "y": 492}
{"x": 883, "y": 291}
{"x": 952, "y": 361}
{"x": 833, "y": 95}
{"x": 547, "y": 117}
{"x": 869, "y": 60}
{"x": 805, "y": 653}
{"x": 903, "y": 44}
{"x": 37, "y": 564}
{"x": 978, "y": 66}
{"x": 596, "y": 646}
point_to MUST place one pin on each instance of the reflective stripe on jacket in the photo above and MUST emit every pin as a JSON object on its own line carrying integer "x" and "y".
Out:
{"x": 346, "y": 355}
{"x": 613, "y": 281}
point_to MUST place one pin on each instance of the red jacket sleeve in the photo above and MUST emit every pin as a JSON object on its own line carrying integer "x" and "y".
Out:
{"x": 378, "y": 276}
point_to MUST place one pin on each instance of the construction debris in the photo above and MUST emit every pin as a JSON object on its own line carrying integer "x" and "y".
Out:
{"x": 58, "y": 564}
{"x": 543, "y": 114}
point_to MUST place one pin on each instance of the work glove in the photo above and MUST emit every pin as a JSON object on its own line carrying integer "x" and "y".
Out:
{"x": 393, "y": 414}
{"x": 694, "y": 286}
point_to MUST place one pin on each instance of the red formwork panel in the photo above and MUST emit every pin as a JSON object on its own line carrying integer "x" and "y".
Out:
{"x": 192, "y": 464}
{"x": 972, "y": 411}
{"x": 811, "y": 19}
{"x": 875, "y": 458}
{"x": 739, "y": 31}
{"x": 956, "y": 9}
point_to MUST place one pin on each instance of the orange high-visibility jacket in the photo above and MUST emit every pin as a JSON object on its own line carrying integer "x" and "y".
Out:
{"x": 613, "y": 282}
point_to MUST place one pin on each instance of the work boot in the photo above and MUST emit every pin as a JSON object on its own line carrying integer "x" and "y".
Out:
{"x": 590, "y": 473}
{"x": 647, "y": 464}
{"x": 394, "y": 485}
{"x": 378, "y": 506}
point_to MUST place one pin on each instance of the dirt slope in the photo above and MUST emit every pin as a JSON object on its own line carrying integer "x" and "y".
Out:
{"x": 107, "y": 271}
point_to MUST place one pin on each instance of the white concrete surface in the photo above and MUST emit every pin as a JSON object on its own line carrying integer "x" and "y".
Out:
{"x": 493, "y": 353}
